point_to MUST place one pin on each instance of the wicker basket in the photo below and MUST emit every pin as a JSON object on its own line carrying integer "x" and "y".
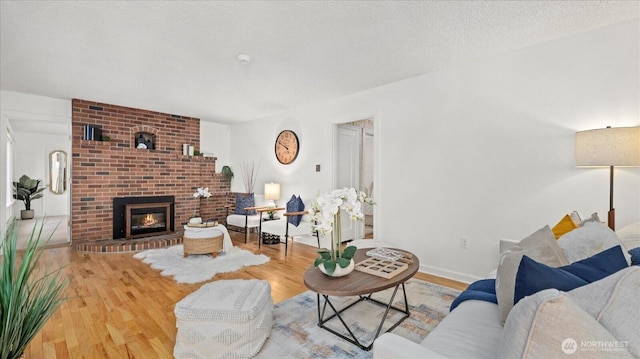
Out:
{"x": 202, "y": 245}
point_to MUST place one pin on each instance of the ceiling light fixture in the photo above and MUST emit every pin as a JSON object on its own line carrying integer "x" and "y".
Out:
{"x": 244, "y": 59}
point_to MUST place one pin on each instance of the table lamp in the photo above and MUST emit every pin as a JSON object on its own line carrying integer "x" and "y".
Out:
{"x": 271, "y": 193}
{"x": 608, "y": 147}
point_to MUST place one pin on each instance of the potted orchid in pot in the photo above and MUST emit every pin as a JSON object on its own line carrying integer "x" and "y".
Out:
{"x": 325, "y": 214}
{"x": 200, "y": 192}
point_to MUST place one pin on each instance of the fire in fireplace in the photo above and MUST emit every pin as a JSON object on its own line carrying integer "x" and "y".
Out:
{"x": 141, "y": 219}
{"x": 142, "y": 216}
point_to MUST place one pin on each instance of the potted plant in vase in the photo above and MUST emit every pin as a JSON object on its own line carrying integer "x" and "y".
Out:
{"x": 227, "y": 173}
{"x": 28, "y": 296}
{"x": 26, "y": 190}
{"x": 325, "y": 214}
{"x": 200, "y": 192}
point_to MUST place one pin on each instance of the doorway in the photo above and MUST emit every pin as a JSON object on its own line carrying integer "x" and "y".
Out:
{"x": 355, "y": 168}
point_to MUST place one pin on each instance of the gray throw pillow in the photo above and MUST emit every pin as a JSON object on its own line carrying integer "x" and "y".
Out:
{"x": 549, "y": 324}
{"x": 540, "y": 246}
{"x": 613, "y": 302}
{"x": 598, "y": 320}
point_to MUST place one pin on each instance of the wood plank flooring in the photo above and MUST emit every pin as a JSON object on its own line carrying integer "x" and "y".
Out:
{"x": 121, "y": 308}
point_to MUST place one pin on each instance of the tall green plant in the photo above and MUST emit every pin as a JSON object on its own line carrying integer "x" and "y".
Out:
{"x": 27, "y": 298}
{"x": 26, "y": 190}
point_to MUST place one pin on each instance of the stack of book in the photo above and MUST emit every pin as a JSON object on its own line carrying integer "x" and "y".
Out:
{"x": 188, "y": 150}
{"x": 92, "y": 133}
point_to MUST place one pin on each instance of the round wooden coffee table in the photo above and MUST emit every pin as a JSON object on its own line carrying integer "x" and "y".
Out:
{"x": 358, "y": 284}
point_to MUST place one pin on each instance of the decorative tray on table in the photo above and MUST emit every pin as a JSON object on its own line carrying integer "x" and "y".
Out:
{"x": 203, "y": 225}
{"x": 385, "y": 263}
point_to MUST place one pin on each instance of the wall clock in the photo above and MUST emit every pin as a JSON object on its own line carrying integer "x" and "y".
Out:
{"x": 287, "y": 147}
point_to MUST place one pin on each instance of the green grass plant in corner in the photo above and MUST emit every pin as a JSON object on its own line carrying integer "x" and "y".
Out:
{"x": 28, "y": 295}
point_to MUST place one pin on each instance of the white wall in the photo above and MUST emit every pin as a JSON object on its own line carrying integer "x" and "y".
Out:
{"x": 5, "y": 211}
{"x": 215, "y": 138}
{"x": 482, "y": 151}
{"x": 32, "y": 153}
{"x": 40, "y": 124}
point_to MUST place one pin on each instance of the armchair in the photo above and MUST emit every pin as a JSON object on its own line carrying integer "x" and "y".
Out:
{"x": 245, "y": 220}
{"x": 283, "y": 228}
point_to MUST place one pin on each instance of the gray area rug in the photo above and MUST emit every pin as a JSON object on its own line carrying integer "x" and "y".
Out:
{"x": 295, "y": 332}
{"x": 198, "y": 267}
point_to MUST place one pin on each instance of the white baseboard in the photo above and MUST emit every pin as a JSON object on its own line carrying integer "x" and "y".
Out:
{"x": 460, "y": 277}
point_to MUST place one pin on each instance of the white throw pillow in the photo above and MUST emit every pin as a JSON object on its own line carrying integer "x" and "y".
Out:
{"x": 630, "y": 235}
{"x": 593, "y": 218}
{"x": 541, "y": 246}
{"x": 590, "y": 239}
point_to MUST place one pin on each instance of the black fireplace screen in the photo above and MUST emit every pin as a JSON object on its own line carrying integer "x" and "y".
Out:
{"x": 139, "y": 222}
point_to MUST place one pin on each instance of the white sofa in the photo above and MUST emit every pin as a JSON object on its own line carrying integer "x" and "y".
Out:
{"x": 598, "y": 319}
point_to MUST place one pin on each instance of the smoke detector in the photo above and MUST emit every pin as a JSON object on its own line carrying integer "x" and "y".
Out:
{"x": 244, "y": 59}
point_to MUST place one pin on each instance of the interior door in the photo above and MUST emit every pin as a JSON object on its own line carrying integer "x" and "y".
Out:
{"x": 347, "y": 173}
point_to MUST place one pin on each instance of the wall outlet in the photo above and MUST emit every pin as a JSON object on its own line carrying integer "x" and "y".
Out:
{"x": 317, "y": 168}
{"x": 464, "y": 243}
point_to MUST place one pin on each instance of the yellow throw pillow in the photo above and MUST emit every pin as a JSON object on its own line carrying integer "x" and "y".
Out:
{"x": 565, "y": 225}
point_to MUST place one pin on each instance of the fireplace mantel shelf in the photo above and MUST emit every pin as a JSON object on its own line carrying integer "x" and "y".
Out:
{"x": 174, "y": 154}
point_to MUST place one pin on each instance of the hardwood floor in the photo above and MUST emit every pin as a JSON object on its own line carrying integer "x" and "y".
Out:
{"x": 121, "y": 308}
{"x": 56, "y": 226}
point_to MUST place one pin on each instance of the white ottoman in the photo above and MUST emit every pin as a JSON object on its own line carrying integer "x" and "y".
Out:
{"x": 224, "y": 319}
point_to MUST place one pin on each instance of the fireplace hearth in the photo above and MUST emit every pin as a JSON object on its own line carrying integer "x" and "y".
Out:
{"x": 135, "y": 217}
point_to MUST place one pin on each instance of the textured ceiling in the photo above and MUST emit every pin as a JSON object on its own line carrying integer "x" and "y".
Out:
{"x": 180, "y": 57}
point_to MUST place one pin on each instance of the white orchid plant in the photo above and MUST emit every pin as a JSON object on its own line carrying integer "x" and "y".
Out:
{"x": 325, "y": 214}
{"x": 200, "y": 192}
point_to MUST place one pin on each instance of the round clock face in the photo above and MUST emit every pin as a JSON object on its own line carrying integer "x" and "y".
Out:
{"x": 287, "y": 147}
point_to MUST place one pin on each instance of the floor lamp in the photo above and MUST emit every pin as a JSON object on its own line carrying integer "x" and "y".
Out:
{"x": 609, "y": 147}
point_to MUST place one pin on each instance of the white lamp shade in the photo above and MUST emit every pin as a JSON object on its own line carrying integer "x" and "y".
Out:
{"x": 619, "y": 147}
{"x": 272, "y": 191}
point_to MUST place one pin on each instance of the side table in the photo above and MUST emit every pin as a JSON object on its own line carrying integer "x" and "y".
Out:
{"x": 362, "y": 285}
{"x": 268, "y": 238}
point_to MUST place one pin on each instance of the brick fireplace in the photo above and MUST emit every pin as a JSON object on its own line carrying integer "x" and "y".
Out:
{"x": 105, "y": 170}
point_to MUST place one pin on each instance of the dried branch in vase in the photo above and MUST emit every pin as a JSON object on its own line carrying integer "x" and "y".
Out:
{"x": 249, "y": 175}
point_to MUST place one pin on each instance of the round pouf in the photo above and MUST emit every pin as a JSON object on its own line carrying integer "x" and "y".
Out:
{"x": 202, "y": 241}
{"x": 224, "y": 319}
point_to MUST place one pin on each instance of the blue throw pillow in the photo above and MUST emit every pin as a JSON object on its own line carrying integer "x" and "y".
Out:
{"x": 533, "y": 277}
{"x": 243, "y": 202}
{"x": 635, "y": 256}
{"x": 295, "y": 204}
{"x": 484, "y": 289}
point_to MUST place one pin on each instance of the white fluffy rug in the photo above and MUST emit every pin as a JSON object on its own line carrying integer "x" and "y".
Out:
{"x": 198, "y": 267}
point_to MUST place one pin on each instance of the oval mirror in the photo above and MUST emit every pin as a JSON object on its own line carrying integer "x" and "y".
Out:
{"x": 58, "y": 171}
